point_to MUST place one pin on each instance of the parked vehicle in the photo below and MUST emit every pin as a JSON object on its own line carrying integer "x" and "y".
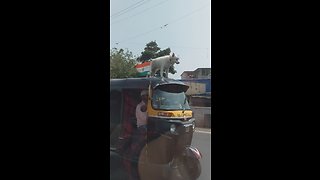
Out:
{"x": 167, "y": 153}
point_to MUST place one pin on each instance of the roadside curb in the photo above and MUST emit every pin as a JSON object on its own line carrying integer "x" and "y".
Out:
{"x": 203, "y": 129}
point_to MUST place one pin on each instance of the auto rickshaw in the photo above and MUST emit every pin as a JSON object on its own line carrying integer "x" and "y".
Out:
{"x": 167, "y": 153}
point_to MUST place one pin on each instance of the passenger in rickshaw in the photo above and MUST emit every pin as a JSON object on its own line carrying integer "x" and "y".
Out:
{"x": 139, "y": 136}
{"x": 134, "y": 130}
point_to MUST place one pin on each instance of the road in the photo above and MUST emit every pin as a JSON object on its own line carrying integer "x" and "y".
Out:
{"x": 202, "y": 141}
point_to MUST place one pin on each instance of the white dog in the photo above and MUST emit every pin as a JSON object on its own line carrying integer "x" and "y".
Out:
{"x": 163, "y": 64}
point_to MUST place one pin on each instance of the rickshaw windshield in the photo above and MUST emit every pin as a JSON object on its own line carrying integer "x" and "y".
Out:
{"x": 169, "y": 100}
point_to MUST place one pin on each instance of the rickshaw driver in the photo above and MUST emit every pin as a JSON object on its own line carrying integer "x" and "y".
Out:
{"x": 141, "y": 110}
{"x": 139, "y": 137}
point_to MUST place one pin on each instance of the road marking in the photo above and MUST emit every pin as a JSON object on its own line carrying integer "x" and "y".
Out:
{"x": 207, "y": 132}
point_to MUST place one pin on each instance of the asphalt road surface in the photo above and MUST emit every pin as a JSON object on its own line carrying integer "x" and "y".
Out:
{"x": 202, "y": 141}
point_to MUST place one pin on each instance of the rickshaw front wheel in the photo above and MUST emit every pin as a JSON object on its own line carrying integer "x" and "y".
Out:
{"x": 193, "y": 167}
{"x": 189, "y": 168}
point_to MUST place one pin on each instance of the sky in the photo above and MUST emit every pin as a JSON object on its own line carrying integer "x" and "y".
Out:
{"x": 184, "y": 26}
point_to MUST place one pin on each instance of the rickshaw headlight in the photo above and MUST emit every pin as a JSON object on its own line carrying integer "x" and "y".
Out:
{"x": 193, "y": 126}
{"x": 173, "y": 128}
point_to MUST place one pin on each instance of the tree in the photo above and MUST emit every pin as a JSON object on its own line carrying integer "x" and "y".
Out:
{"x": 150, "y": 51}
{"x": 153, "y": 51}
{"x": 122, "y": 64}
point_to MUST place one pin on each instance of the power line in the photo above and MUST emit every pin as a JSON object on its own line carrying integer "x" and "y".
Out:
{"x": 140, "y": 34}
{"x": 139, "y": 12}
{"x": 189, "y": 14}
{"x": 161, "y": 27}
{"x": 127, "y": 10}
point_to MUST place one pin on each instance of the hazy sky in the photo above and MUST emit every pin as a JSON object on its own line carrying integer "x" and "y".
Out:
{"x": 182, "y": 25}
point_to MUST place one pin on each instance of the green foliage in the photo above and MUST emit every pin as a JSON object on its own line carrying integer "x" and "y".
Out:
{"x": 150, "y": 51}
{"x": 146, "y": 56}
{"x": 152, "y": 46}
{"x": 122, "y": 64}
{"x": 163, "y": 52}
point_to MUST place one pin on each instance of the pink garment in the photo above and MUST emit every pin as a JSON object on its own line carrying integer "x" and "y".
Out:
{"x": 141, "y": 116}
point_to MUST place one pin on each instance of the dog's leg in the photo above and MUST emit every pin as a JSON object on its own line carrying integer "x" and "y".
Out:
{"x": 161, "y": 72}
{"x": 153, "y": 71}
{"x": 165, "y": 73}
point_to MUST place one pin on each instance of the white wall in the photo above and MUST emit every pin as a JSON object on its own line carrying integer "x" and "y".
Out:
{"x": 199, "y": 113}
{"x": 195, "y": 88}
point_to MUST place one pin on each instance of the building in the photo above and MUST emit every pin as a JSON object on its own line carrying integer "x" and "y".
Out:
{"x": 199, "y": 94}
{"x": 199, "y": 73}
{"x": 195, "y": 87}
{"x": 197, "y": 77}
{"x": 187, "y": 75}
{"x": 195, "y": 84}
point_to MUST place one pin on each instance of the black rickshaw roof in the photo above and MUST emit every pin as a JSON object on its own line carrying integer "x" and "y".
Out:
{"x": 142, "y": 83}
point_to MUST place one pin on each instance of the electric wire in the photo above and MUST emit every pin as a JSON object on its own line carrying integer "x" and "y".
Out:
{"x": 141, "y": 12}
{"x": 114, "y": 14}
{"x": 163, "y": 26}
{"x": 125, "y": 11}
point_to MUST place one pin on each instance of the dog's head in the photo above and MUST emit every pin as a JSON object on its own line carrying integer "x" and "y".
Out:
{"x": 174, "y": 59}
